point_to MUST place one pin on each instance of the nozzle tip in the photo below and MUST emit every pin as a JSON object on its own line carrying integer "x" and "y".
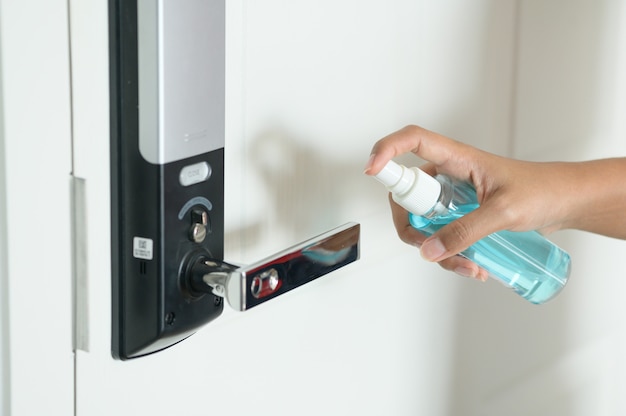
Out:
{"x": 390, "y": 174}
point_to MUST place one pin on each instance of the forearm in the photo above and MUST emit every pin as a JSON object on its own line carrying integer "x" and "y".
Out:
{"x": 598, "y": 197}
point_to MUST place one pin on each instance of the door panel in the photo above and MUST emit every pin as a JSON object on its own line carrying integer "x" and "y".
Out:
{"x": 310, "y": 86}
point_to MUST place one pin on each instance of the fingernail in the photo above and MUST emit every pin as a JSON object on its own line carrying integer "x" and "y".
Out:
{"x": 466, "y": 272}
{"x": 369, "y": 164}
{"x": 432, "y": 249}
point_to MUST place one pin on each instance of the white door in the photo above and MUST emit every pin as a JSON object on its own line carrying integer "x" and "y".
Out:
{"x": 318, "y": 83}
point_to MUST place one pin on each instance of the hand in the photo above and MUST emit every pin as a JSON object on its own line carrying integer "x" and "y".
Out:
{"x": 513, "y": 195}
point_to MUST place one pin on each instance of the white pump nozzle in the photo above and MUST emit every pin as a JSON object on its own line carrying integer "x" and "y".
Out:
{"x": 411, "y": 188}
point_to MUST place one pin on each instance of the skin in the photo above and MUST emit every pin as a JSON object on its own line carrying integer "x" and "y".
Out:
{"x": 514, "y": 195}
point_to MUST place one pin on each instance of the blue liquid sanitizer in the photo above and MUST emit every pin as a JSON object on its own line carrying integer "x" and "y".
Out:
{"x": 535, "y": 268}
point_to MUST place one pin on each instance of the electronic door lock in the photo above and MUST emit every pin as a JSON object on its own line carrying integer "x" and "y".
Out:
{"x": 167, "y": 66}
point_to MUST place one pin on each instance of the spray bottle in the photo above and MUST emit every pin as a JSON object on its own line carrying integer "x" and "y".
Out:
{"x": 535, "y": 268}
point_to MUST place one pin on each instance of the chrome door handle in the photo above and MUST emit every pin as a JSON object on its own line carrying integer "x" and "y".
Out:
{"x": 248, "y": 286}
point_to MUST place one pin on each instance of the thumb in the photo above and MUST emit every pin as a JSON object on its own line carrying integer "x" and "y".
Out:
{"x": 460, "y": 234}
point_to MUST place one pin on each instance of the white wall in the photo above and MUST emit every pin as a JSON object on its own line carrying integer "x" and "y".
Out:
{"x": 35, "y": 255}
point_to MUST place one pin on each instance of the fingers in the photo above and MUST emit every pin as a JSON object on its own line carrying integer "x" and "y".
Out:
{"x": 446, "y": 156}
{"x": 410, "y": 235}
{"x": 409, "y": 139}
{"x": 464, "y": 267}
{"x": 463, "y": 232}
{"x": 437, "y": 149}
{"x": 406, "y": 232}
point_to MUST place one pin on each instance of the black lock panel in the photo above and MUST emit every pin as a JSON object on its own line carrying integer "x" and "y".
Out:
{"x": 162, "y": 214}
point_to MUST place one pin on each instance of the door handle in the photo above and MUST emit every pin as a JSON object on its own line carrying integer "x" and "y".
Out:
{"x": 248, "y": 286}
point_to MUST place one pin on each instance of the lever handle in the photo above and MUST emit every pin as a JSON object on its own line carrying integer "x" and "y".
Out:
{"x": 248, "y": 286}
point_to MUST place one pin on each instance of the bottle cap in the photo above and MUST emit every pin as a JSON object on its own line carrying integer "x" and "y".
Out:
{"x": 412, "y": 188}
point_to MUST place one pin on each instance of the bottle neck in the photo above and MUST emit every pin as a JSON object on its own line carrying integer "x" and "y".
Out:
{"x": 444, "y": 203}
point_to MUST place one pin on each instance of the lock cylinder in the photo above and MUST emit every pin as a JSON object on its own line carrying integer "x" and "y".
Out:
{"x": 203, "y": 275}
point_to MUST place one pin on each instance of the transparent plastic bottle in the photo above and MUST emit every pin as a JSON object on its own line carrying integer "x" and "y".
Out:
{"x": 535, "y": 268}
